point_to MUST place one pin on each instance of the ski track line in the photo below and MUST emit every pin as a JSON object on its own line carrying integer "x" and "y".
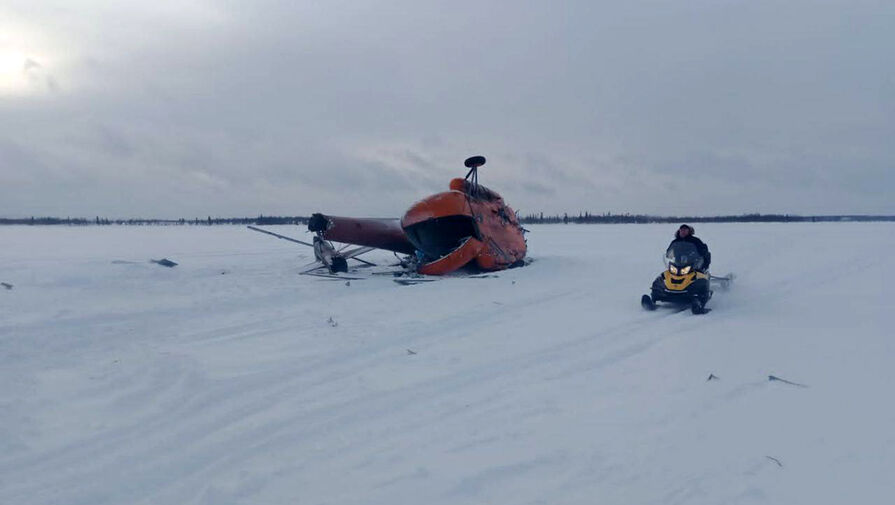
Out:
{"x": 103, "y": 458}
{"x": 356, "y": 398}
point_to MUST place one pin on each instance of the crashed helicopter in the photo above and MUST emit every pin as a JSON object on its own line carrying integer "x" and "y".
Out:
{"x": 467, "y": 226}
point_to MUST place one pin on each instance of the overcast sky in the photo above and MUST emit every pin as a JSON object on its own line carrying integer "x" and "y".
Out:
{"x": 225, "y": 108}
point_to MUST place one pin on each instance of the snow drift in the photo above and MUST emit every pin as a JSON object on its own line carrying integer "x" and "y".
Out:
{"x": 229, "y": 379}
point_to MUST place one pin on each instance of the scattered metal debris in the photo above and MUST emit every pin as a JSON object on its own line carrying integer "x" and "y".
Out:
{"x": 413, "y": 282}
{"x": 773, "y": 378}
{"x": 332, "y": 322}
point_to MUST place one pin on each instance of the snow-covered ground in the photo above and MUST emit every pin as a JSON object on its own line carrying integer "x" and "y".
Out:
{"x": 231, "y": 380}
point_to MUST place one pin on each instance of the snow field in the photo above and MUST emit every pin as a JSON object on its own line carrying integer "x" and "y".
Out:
{"x": 229, "y": 379}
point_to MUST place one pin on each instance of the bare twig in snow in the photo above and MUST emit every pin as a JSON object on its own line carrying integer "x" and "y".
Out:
{"x": 775, "y": 460}
{"x": 773, "y": 378}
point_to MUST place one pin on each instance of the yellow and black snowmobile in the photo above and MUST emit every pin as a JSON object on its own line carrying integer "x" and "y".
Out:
{"x": 684, "y": 281}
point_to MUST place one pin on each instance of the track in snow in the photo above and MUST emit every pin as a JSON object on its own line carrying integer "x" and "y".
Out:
{"x": 221, "y": 380}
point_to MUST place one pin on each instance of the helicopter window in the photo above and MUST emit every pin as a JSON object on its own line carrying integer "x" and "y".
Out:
{"x": 439, "y": 236}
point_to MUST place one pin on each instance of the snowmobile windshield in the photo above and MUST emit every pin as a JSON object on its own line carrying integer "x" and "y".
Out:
{"x": 683, "y": 254}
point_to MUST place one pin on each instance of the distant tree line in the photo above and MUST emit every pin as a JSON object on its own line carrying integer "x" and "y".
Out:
{"x": 581, "y": 218}
{"x": 208, "y": 221}
{"x": 609, "y": 218}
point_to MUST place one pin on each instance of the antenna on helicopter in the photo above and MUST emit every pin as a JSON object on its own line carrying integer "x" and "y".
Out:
{"x": 472, "y": 176}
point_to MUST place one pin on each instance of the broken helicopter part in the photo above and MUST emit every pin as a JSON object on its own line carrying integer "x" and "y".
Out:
{"x": 467, "y": 225}
{"x": 325, "y": 254}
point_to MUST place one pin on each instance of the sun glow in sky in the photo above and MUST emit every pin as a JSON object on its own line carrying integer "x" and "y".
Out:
{"x": 24, "y": 68}
{"x": 22, "y": 74}
{"x": 133, "y": 108}
{"x": 13, "y": 76}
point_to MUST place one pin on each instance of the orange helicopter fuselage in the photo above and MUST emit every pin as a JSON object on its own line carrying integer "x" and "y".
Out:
{"x": 468, "y": 223}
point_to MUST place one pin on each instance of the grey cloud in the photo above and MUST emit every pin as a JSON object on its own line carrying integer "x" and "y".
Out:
{"x": 285, "y": 107}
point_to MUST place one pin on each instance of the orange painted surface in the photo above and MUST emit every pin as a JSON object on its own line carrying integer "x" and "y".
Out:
{"x": 380, "y": 233}
{"x": 450, "y": 203}
{"x": 455, "y": 260}
{"x": 501, "y": 234}
{"x": 498, "y": 233}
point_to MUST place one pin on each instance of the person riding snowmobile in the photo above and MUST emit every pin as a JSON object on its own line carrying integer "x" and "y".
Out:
{"x": 686, "y": 234}
{"x": 686, "y": 278}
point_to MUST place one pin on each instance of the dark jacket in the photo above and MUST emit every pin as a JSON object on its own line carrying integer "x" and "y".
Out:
{"x": 700, "y": 246}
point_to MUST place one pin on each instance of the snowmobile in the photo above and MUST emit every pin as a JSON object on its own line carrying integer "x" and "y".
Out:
{"x": 684, "y": 282}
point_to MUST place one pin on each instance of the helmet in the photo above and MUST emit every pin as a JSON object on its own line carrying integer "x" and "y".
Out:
{"x": 677, "y": 233}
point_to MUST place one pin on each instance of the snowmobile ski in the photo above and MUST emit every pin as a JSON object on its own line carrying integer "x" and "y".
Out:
{"x": 698, "y": 307}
